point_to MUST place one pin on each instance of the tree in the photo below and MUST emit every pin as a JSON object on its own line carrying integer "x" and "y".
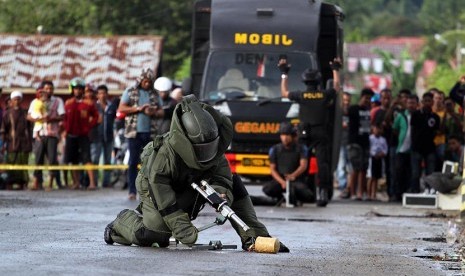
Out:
{"x": 437, "y": 16}
{"x": 444, "y": 78}
{"x": 385, "y": 24}
{"x": 368, "y": 19}
{"x": 357, "y": 17}
{"x": 401, "y": 79}
{"x": 170, "y": 19}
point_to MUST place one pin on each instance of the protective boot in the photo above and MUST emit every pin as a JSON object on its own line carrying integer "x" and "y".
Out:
{"x": 243, "y": 207}
{"x": 324, "y": 198}
{"x": 245, "y": 211}
{"x": 107, "y": 234}
{"x": 110, "y": 235}
{"x": 283, "y": 248}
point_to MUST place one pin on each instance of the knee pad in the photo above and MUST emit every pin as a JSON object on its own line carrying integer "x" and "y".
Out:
{"x": 148, "y": 237}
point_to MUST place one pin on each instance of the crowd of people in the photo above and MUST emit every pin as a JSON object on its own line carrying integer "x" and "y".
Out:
{"x": 81, "y": 130}
{"x": 400, "y": 139}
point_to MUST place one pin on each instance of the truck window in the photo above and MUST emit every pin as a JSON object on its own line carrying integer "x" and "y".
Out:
{"x": 253, "y": 74}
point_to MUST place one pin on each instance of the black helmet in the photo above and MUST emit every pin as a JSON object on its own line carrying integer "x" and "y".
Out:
{"x": 287, "y": 128}
{"x": 202, "y": 131}
{"x": 311, "y": 76}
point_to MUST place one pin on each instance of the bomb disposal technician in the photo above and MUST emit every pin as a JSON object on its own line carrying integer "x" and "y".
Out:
{"x": 193, "y": 150}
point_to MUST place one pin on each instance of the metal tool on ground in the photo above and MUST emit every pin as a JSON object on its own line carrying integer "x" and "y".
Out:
{"x": 225, "y": 213}
{"x": 214, "y": 245}
{"x": 261, "y": 244}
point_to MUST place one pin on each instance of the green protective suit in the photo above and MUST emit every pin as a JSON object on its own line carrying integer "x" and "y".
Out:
{"x": 168, "y": 202}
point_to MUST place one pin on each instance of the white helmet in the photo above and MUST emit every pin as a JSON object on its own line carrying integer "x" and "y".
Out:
{"x": 163, "y": 84}
{"x": 16, "y": 94}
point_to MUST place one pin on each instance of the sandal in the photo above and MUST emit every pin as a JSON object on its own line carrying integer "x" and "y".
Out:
{"x": 75, "y": 186}
{"x": 344, "y": 195}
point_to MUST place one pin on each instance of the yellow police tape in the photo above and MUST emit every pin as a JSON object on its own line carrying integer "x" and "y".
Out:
{"x": 462, "y": 193}
{"x": 62, "y": 167}
{"x": 462, "y": 206}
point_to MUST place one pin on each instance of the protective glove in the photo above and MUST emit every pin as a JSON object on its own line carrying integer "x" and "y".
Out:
{"x": 224, "y": 191}
{"x": 284, "y": 68}
{"x": 335, "y": 65}
{"x": 182, "y": 227}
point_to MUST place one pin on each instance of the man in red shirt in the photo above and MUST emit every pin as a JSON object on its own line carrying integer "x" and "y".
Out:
{"x": 80, "y": 116}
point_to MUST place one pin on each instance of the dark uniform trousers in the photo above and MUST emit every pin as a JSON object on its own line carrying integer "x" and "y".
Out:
{"x": 299, "y": 190}
{"x": 317, "y": 137}
{"x": 149, "y": 228}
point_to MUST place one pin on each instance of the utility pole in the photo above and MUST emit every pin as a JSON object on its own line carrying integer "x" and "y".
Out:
{"x": 458, "y": 49}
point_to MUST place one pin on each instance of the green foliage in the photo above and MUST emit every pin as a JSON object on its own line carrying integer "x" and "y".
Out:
{"x": 444, "y": 78}
{"x": 438, "y": 16}
{"x": 184, "y": 70}
{"x": 369, "y": 19}
{"x": 387, "y": 25}
{"x": 400, "y": 79}
{"x": 170, "y": 19}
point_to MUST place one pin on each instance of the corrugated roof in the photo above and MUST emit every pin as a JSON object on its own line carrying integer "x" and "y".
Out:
{"x": 115, "y": 61}
{"x": 394, "y": 45}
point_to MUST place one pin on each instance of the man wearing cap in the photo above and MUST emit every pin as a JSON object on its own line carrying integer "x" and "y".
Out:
{"x": 16, "y": 133}
{"x": 141, "y": 105}
{"x": 315, "y": 119}
{"x": 192, "y": 151}
{"x": 288, "y": 162}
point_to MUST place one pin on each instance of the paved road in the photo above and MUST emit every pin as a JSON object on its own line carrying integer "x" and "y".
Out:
{"x": 60, "y": 233}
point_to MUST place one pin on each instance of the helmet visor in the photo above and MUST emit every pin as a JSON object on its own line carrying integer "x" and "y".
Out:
{"x": 206, "y": 151}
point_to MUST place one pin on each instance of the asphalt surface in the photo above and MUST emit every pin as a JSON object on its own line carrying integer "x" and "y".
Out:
{"x": 61, "y": 233}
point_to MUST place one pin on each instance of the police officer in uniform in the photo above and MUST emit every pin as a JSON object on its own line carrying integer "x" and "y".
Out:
{"x": 314, "y": 118}
{"x": 193, "y": 150}
{"x": 289, "y": 162}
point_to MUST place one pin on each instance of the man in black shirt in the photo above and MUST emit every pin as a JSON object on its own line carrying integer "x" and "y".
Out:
{"x": 288, "y": 162}
{"x": 425, "y": 124}
{"x": 314, "y": 118}
{"x": 359, "y": 144}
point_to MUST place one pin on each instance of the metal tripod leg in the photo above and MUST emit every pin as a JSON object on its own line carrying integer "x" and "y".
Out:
{"x": 287, "y": 195}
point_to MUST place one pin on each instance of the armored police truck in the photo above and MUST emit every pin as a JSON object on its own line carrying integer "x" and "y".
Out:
{"x": 236, "y": 45}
